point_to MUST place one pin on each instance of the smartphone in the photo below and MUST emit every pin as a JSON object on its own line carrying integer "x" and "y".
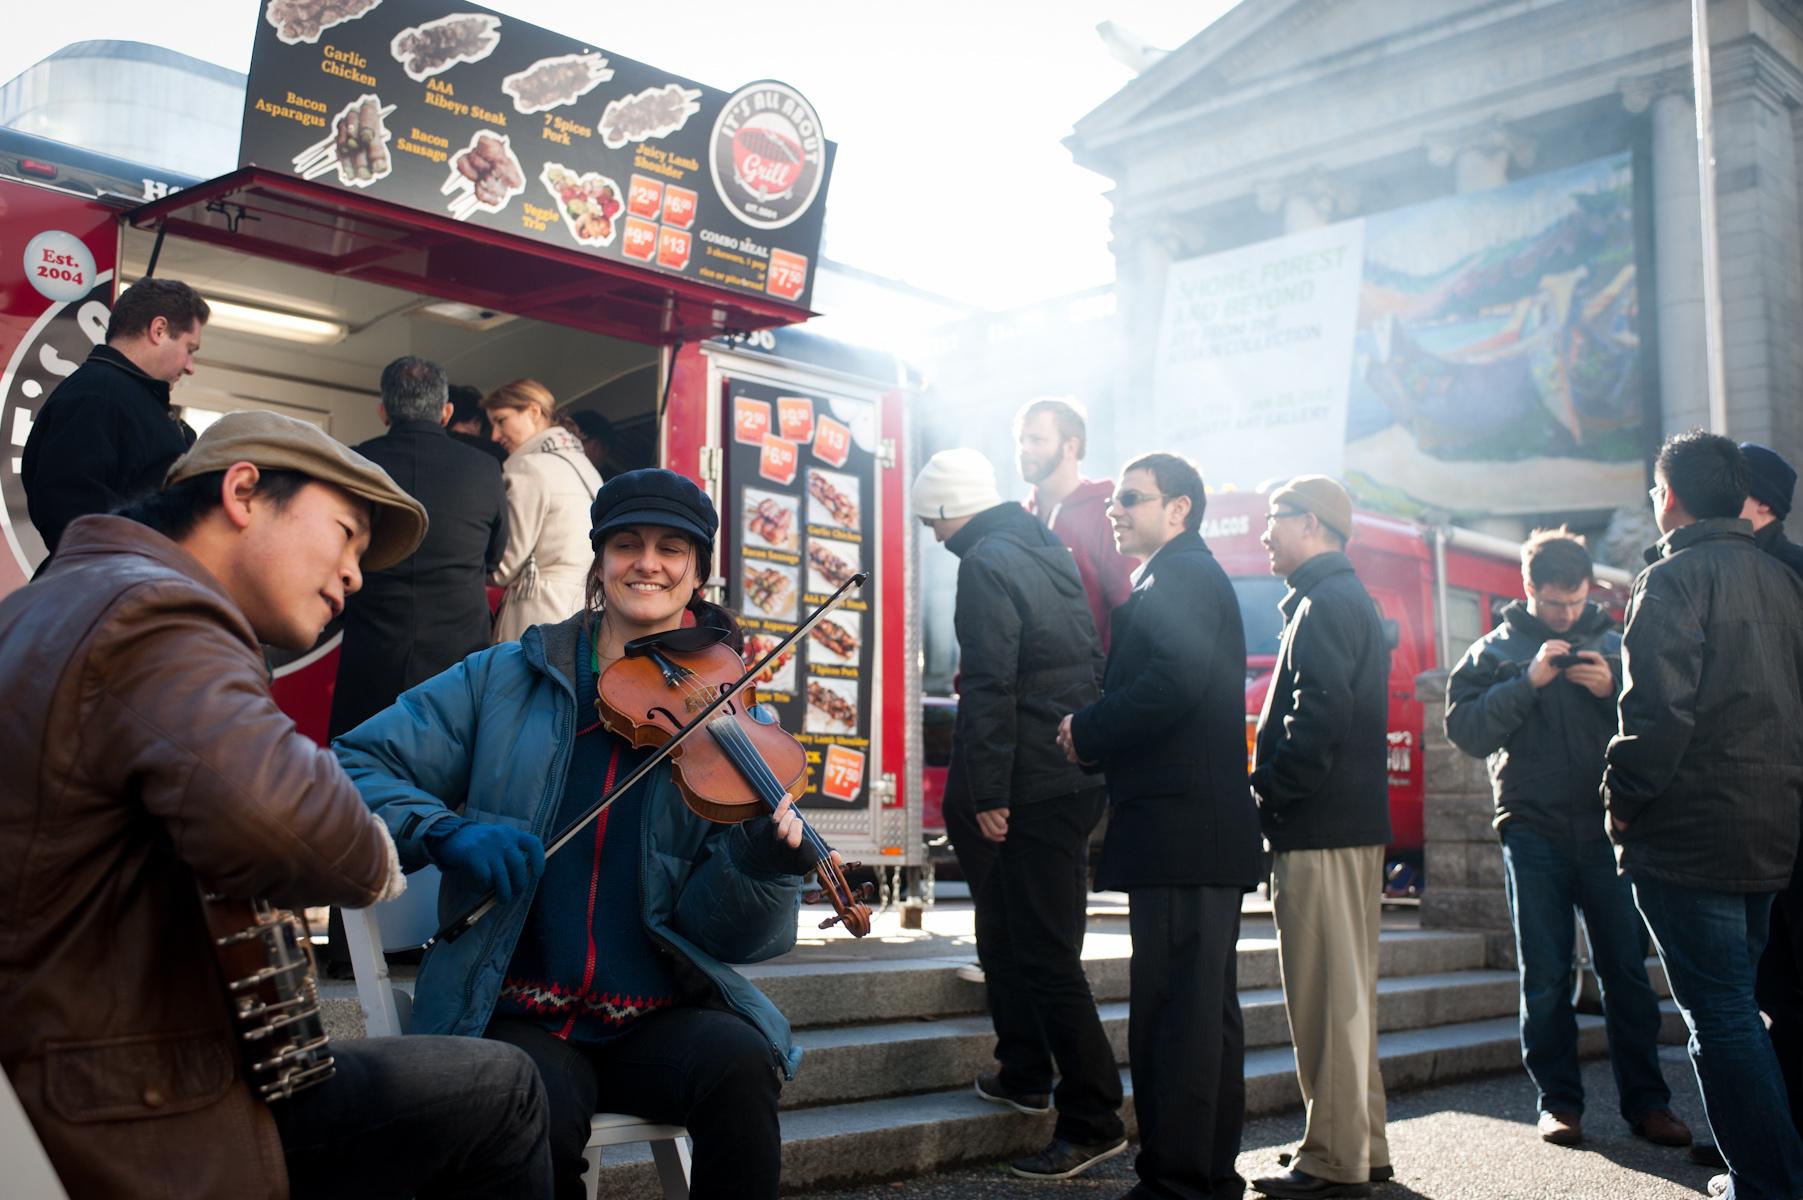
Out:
{"x": 1562, "y": 661}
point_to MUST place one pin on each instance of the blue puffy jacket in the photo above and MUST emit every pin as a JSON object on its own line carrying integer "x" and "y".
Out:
{"x": 491, "y": 738}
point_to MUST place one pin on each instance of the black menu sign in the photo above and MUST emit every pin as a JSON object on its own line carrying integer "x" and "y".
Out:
{"x": 492, "y": 121}
{"x": 801, "y": 476}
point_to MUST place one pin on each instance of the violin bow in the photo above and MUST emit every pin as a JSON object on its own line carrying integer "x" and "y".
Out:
{"x": 457, "y": 926}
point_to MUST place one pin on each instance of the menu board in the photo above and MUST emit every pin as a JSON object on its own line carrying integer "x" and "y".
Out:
{"x": 801, "y": 474}
{"x": 486, "y": 119}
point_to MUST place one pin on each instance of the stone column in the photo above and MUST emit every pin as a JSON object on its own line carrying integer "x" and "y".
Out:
{"x": 1480, "y": 155}
{"x": 1464, "y": 859}
{"x": 1677, "y": 255}
{"x": 1308, "y": 200}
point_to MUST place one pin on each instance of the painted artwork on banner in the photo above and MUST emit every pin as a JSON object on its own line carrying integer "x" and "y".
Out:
{"x": 1501, "y": 329}
{"x": 805, "y": 491}
{"x": 1432, "y": 356}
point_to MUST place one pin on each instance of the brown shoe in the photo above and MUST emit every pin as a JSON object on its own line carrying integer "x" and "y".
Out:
{"x": 1662, "y": 1128}
{"x": 1561, "y": 1128}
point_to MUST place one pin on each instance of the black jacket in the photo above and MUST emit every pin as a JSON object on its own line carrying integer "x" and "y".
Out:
{"x": 1771, "y": 539}
{"x": 1170, "y": 729}
{"x": 106, "y": 435}
{"x": 1322, "y": 758}
{"x": 1707, "y": 771}
{"x": 430, "y": 610}
{"x": 1028, "y": 654}
{"x": 1544, "y": 745}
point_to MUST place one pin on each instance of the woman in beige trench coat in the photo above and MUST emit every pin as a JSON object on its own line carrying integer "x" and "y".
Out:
{"x": 550, "y": 485}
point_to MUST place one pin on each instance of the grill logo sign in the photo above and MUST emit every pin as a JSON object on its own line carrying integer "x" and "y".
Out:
{"x": 768, "y": 155}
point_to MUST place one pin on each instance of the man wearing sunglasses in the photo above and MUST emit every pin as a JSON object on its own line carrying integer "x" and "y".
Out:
{"x": 1169, "y": 734}
{"x": 1324, "y": 802}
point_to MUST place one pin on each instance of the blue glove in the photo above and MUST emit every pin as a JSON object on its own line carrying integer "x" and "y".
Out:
{"x": 495, "y": 858}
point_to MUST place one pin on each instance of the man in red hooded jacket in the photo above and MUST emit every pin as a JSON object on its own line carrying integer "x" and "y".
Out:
{"x": 1051, "y": 438}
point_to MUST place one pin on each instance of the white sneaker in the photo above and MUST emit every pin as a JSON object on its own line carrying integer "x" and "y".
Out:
{"x": 972, "y": 972}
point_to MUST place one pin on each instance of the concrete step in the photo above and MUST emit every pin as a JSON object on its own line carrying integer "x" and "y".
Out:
{"x": 903, "y": 1136}
{"x": 818, "y": 994}
{"x": 857, "y": 1062}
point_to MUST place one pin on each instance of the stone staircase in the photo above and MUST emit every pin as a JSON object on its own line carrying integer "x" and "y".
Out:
{"x": 893, "y": 1039}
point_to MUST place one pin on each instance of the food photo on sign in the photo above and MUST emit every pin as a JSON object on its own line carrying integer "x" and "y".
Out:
{"x": 555, "y": 82}
{"x": 779, "y": 676}
{"x": 771, "y": 519}
{"x": 484, "y": 176}
{"x": 833, "y": 499}
{"x": 832, "y": 705}
{"x": 831, "y": 563}
{"x": 770, "y": 587}
{"x": 835, "y": 640}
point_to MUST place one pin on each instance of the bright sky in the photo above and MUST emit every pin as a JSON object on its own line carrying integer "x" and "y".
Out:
{"x": 949, "y": 114}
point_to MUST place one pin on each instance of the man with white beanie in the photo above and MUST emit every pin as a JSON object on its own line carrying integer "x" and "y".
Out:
{"x": 1018, "y": 813}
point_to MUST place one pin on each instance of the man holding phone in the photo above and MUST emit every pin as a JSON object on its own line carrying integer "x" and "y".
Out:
{"x": 1536, "y": 697}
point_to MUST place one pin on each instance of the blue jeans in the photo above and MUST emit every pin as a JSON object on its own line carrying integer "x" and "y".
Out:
{"x": 1546, "y": 879}
{"x": 1710, "y": 943}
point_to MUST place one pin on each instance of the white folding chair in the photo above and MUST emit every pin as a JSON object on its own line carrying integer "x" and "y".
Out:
{"x": 29, "y": 1175}
{"x": 405, "y": 924}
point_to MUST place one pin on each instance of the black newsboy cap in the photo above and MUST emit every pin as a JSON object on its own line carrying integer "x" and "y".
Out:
{"x": 652, "y": 496}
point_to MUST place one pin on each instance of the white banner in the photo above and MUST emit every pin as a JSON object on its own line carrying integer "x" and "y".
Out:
{"x": 1251, "y": 377}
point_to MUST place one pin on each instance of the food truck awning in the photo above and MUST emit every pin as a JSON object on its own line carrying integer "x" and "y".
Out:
{"x": 272, "y": 215}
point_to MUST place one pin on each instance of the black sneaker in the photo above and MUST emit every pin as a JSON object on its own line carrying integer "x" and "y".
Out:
{"x": 1383, "y": 1174}
{"x": 1062, "y": 1160}
{"x": 989, "y": 1086}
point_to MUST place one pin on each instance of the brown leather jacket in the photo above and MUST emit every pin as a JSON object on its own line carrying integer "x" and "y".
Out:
{"x": 141, "y": 750}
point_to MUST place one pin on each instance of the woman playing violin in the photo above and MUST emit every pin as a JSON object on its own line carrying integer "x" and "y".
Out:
{"x": 605, "y": 964}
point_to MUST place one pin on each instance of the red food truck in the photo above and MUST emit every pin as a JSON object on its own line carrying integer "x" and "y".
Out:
{"x": 633, "y": 240}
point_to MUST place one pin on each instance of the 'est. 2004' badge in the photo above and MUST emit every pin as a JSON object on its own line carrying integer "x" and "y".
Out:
{"x": 768, "y": 154}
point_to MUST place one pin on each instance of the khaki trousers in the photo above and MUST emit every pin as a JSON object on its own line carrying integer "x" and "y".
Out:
{"x": 1326, "y": 903}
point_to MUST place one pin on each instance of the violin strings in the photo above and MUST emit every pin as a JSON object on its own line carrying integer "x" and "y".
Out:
{"x": 745, "y": 755}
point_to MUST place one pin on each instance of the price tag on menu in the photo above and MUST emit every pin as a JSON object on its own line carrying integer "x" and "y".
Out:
{"x": 777, "y": 462}
{"x": 832, "y": 441}
{"x": 788, "y": 275}
{"x": 750, "y": 420}
{"x": 644, "y": 197}
{"x": 795, "y": 416}
{"x": 641, "y": 239}
{"x": 679, "y": 206}
{"x": 843, "y": 773}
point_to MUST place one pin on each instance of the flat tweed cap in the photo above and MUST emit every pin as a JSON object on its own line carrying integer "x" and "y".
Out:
{"x": 277, "y": 443}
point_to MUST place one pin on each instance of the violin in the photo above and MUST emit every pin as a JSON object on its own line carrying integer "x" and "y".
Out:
{"x": 671, "y": 687}
{"x": 744, "y": 766}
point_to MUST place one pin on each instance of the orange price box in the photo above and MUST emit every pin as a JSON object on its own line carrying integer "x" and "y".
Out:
{"x": 788, "y": 275}
{"x": 641, "y": 239}
{"x": 778, "y": 459}
{"x": 750, "y": 420}
{"x": 679, "y": 206}
{"x": 673, "y": 248}
{"x": 644, "y": 197}
{"x": 843, "y": 774}
{"x": 795, "y": 417}
{"x": 832, "y": 441}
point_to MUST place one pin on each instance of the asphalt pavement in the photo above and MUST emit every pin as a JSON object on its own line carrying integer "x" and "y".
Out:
{"x": 1472, "y": 1140}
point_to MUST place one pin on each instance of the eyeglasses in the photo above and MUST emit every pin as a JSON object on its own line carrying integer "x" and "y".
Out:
{"x": 1656, "y": 493}
{"x": 1278, "y": 514}
{"x": 1133, "y": 497}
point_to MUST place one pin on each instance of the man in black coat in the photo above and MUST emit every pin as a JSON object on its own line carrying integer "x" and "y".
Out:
{"x": 469, "y": 424}
{"x": 1542, "y": 722}
{"x": 1703, "y": 785}
{"x": 1771, "y": 485}
{"x": 1019, "y": 815}
{"x": 428, "y": 611}
{"x": 1322, "y": 786}
{"x": 108, "y": 433}
{"x": 1169, "y": 735}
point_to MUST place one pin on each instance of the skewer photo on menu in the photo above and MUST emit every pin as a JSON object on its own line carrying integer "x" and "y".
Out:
{"x": 554, "y": 82}
{"x": 779, "y": 676}
{"x": 832, "y": 706}
{"x": 436, "y": 46}
{"x": 302, "y": 21}
{"x": 771, "y": 590}
{"x": 772, "y": 519}
{"x": 836, "y": 639}
{"x": 830, "y": 563}
{"x": 653, "y": 113}
{"x": 835, "y": 499}
{"x": 357, "y": 149}
{"x": 486, "y": 173}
